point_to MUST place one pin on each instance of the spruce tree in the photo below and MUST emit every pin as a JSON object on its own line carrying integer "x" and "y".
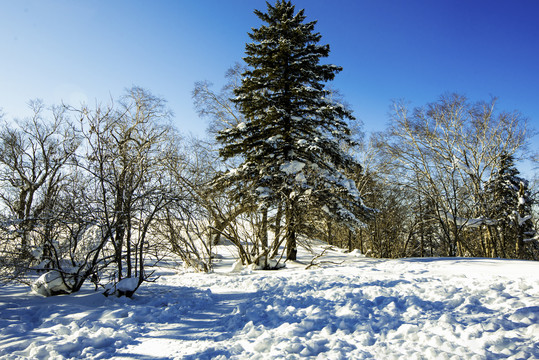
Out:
{"x": 510, "y": 204}
{"x": 291, "y": 142}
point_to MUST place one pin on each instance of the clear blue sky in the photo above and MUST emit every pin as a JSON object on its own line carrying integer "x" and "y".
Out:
{"x": 416, "y": 50}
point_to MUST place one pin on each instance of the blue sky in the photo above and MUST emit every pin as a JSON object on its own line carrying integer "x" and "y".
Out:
{"x": 415, "y": 50}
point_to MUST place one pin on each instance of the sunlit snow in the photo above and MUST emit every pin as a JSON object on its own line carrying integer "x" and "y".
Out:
{"x": 338, "y": 306}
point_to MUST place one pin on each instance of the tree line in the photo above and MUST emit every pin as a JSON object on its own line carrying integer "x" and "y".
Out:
{"x": 101, "y": 194}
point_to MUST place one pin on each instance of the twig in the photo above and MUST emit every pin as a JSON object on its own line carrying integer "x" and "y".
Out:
{"x": 322, "y": 262}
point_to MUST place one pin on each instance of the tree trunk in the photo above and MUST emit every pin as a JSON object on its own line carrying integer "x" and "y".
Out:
{"x": 277, "y": 240}
{"x": 519, "y": 245}
{"x": 501, "y": 235}
{"x": 264, "y": 237}
{"x": 329, "y": 234}
{"x": 291, "y": 246}
{"x": 493, "y": 241}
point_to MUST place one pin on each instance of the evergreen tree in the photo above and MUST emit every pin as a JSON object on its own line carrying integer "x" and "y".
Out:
{"x": 511, "y": 206}
{"x": 292, "y": 138}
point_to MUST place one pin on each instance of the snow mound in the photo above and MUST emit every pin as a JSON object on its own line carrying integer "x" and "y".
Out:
{"x": 51, "y": 283}
{"x": 125, "y": 287}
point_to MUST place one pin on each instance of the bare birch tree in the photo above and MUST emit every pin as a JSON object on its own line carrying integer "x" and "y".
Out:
{"x": 446, "y": 151}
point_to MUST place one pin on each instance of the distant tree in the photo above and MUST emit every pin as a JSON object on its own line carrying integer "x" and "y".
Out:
{"x": 189, "y": 223}
{"x": 510, "y": 204}
{"x": 445, "y": 152}
{"x": 218, "y": 107}
{"x": 291, "y": 137}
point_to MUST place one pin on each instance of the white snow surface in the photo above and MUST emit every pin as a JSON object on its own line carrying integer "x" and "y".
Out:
{"x": 347, "y": 307}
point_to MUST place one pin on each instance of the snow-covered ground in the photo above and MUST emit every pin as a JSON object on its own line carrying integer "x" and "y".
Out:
{"x": 359, "y": 309}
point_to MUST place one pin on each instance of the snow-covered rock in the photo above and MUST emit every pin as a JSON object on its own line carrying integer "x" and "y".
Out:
{"x": 51, "y": 283}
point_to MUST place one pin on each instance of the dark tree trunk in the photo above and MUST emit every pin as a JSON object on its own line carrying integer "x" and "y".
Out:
{"x": 291, "y": 245}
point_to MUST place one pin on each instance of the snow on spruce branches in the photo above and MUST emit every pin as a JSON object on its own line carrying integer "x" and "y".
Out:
{"x": 291, "y": 142}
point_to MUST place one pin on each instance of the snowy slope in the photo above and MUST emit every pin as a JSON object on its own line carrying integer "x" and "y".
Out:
{"x": 360, "y": 309}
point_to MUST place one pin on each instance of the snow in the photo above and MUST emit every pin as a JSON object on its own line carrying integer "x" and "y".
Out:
{"x": 459, "y": 164}
{"x": 263, "y": 191}
{"x": 344, "y": 306}
{"x": 50, "y": 283}
{"x": 469, "y": 222}
{"x": 292, "y": 167}
{"x": 127, "y": 284}
{"x": 300, "y": 178}
{"x": 521, "y": 220}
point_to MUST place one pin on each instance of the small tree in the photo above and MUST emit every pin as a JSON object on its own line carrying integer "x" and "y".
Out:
{"x": 128, "y": 148}
{"x": 187, "y": 223}
{"x": 511, "y": 206}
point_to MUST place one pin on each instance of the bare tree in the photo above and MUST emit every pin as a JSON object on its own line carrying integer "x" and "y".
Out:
{"x": 217, "y": 107}
{"x": 445, "y": 152}
{"x": 33, "y": 157}
{"x": 128, "y": 147}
